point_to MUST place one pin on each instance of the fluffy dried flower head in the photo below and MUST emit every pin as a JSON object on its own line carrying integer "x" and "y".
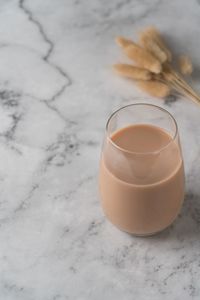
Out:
{"x": 143, "y": 58}
{"x": 133, "y": 72}
{"x": 154, "y": 88}
{"x": 151, "y": 38}
{"x": 185, "y": 65}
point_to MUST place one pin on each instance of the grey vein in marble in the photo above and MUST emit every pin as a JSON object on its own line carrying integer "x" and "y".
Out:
{"x": 46, "y": 57}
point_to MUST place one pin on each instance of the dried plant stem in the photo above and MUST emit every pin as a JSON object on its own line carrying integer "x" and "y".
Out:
{"x": 182, "y": 85}
{"x": 184, "y": 90}
{"x": 172, "y": 79}
{"x": 176, "y": 82}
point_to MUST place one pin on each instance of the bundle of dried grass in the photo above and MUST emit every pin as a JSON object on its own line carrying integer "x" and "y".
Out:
{"x": 154, "y": 73}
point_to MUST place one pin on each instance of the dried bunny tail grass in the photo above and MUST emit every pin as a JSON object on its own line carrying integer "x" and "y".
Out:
{"x": 185, "y": 65}
{"x": 150, "y": 44}
{"x": 176, "y": 82}
{"x": 132, "y": 72}
{"x": 122, "y": 42}
{"x": 154, "y": 73}
{"x": 143, "y": 58}
{"x": 154, "y": 88}
{"x": 154, "y": 35}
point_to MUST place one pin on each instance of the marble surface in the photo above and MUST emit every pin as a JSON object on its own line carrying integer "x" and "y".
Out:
{"x": 56, "y": 92}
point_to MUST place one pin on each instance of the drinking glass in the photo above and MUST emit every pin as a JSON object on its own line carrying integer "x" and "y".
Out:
{"x": 142, "y": 191}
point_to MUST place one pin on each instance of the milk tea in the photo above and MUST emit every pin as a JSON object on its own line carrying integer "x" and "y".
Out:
{"x": 141, "y": 179}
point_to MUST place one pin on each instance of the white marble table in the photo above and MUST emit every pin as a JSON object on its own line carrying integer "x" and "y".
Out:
{"x": 56, "y": 92}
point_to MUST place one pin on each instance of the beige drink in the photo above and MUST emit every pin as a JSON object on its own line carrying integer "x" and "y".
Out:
{"x": 141, "y": 179}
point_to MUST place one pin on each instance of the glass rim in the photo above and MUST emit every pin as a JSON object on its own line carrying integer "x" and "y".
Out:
{"x": 174, "y": 136}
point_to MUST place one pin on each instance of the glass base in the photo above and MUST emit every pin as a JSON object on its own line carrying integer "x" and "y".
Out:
{"x": 143, "y": 234}
{"x": 150, "y": 233}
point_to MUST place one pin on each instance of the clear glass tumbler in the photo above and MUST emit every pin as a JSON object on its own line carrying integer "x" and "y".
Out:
{"x": 141, "y": 170}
